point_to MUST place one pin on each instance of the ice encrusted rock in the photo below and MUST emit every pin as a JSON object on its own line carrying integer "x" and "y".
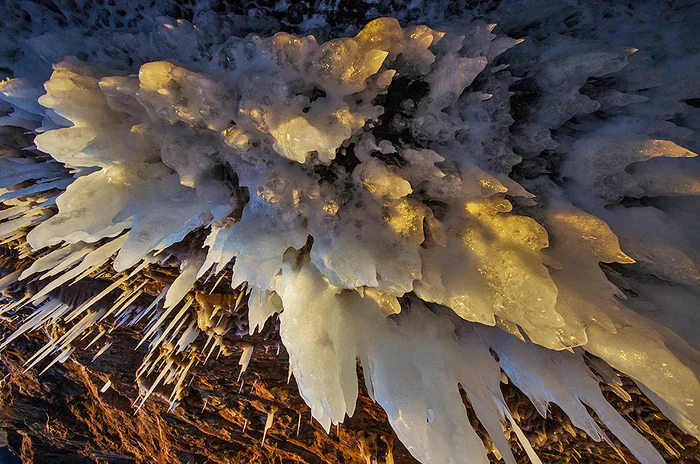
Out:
{"x": 413, "y": 197}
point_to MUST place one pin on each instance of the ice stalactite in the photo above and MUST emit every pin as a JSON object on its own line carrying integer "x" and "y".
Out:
{"x": 268, "y": 425}
{"x": 435, "y": 202}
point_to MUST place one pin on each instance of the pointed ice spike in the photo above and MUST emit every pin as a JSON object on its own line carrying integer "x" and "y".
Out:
{"x": 106, "y": 386}
{"x": 216, "y": 284}
{"x": 102, "y": 351}
{"x": 59, "y": 359}
{"x": 245, "y": 358}
{"x": 268, "y": 424}
{"x": 154, "y": 385}
{"x": 145, "y": 311}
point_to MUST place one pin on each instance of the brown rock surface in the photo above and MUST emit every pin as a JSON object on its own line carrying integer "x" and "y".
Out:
{"x": 61, "y": 416}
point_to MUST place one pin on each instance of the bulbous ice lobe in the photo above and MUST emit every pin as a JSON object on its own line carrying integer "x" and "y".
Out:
{"x": 397, "y": 247}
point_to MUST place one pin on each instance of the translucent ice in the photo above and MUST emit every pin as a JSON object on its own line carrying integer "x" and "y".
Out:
{"x": 415, "y": 198}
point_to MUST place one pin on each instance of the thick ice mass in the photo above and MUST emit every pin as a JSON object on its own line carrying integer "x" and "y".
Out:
{"x": 416, "y": 198}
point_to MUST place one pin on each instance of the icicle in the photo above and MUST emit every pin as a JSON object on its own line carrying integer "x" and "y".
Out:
{"x": 49, "y": 260}
{"x": 8, "y": 228}
{"x": 64, "y": 340}
{"x": 102, "y": 351}
{"x": 175, "y": 332}
{"x": 184, "y": 282}
{"x": 153, "y": 386}
{"x": 117, "y": 310}
{"x": 523, "y": 439}
{"x": 268, "y": 424}
{"x": 211, "y": 350}
{"x": 97, "y": 337}
{"x": 176, "y": 319}
{"x": 93, "y": 260}
{"x": 121, "y": 320}
{"x": 36, "y": 188}
{"x": 69, "y": 261}
{"x": 245, "y": 358}
{"x": 51, "y": 310}
{"x": 85, "y": 306}
{"x": 156, "y": 325}
{"x": 211, "y": 273}
{"x": 187, "y": 337}
{"x": 216, "y": 284}
{"x": 238, "y": 300}
{"x": 145, "y": 311}
{"x": 60, "y": 359}
{"x": 19, "y": 303}
{"x": 181, "y": 379}
{"x": 9, "y": 279}
{"x": 10, "y": 213}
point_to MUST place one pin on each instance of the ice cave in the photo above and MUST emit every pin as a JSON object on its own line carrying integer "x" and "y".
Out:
{"x": 350, "y": 231}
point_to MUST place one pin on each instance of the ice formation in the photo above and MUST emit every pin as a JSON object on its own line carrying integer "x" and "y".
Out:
{"x": 386, "y": 196}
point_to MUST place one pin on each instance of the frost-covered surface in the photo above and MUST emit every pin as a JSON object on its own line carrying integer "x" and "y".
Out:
{"x": 418, "y": 198}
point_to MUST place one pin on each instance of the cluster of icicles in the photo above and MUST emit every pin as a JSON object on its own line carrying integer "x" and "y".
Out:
{"x": 408, "y": 259}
